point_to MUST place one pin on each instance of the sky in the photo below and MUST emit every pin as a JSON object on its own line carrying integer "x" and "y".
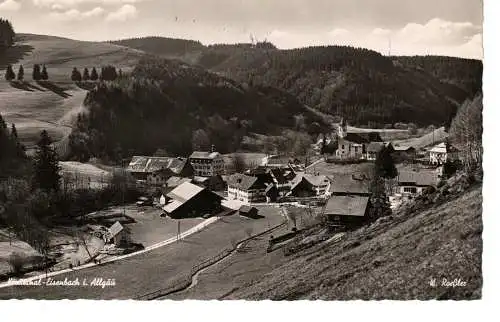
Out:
{"x": 396, "y": 27}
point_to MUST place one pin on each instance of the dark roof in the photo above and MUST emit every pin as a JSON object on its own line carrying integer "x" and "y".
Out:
{"x": 349, "y": 183}
{"x": 347, "y": 206}
{"x": 270, "y": 187}
{"x": 246, "y": 209}
{"x": 204, "y": 155}
{"x": 418, "y": 178}
{"x": 243, "y": 182}
{"x": 146, "y": 164}
{"x": 279, "y": 175}
{"x": 364, "y": 137}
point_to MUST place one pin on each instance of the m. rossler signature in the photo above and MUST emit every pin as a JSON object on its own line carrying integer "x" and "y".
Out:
{"x": 456, "y": 282}
{"x": 77, "y": 282}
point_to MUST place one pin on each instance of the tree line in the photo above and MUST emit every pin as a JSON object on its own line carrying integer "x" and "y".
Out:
{"x": 7, "y": 34}
{"x": 108, "y": 73}
{"x": 39, "y": 73}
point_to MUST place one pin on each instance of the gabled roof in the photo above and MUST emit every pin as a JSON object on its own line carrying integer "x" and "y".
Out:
{"x": 279, "y": 175}
{"x": 204, "y": 155}
{"x": 246, "y": 208}
{"x": 311, "y": 179}
{"x": 347, "y": 206}
{"x": 349, "y": 183}
{"x": 146, "y": 164}
{"x": 244, "y": 182}
{"x": 115, "y": 229}
{"x": 184, "y": 192}
{"x": 418, "y": 178}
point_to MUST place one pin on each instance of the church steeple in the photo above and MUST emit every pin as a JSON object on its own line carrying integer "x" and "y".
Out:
{"x": 342, "y": 129}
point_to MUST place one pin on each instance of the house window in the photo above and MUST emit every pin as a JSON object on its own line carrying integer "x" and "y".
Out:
{"x": 410, "y": 189}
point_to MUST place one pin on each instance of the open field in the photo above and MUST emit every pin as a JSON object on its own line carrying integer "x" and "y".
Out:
{"x": 324, "y": 168}
{"x": 429, "y": 139}
{"x": 155, "y": 269}
{"x": 37, "y": 106}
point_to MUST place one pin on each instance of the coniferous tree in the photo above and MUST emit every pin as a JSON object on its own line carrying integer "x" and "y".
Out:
{"x": 13, "y": 131}
{"x": 86, "y": 74}
{"x": 7, "y": 34}
{"x": 379, "y": 201}
{"x": 384, "y": 164}
{"x": 93, "y": 75}
{"x": 9, "y": 74}
{"x": 20, "y": 73}
{"x": 44, "y": 74}
{"x": 36, "y": 73}
{"x": 46, "y": 165}
{"x": 76, "y": 76}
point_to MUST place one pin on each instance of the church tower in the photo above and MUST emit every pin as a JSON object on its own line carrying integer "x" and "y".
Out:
{"x": 342, "y": 129}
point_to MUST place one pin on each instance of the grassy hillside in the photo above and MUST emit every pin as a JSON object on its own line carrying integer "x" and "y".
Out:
{"x": 34, "y": 107}
{"x": 395, "y": 258}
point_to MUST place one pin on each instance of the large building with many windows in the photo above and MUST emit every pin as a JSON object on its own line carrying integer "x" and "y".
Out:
{"x": 207, "y": 164}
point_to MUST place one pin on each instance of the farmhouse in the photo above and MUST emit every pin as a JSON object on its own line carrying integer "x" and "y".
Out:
{"x": 441, "y": 153}
{"x": 373, "y": 148}
{"x": 347, "y": 210}
{"x": 414, "y": 182}
{"x": 354, "y": 145}
{"x": 248, "y": 189}
{"x": 345, "y": 184}
{"x": 306, "y": 185}
{"x": 157, "y": 170}
{"x": 189, "y": 200}
{"x": 207, "y": 164}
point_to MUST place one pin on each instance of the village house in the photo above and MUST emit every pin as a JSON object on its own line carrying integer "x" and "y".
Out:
{"x": 373, "y": 148}
{"x": 118, "y": 235}
{"x": 403, "y": 152}
{"x": 349, "y": 210}
{"x": 345, "y": 184}
{"x": 248, "y": 211}
{"x": 307, "y": 185}
{"x": 441, "y": 153}
{"x": 354, "y": 145}
{"x": 412, "y": 182}
{"x": 248, "y": 189}
{"x": 213, "y": 183}
{"x": 207, "y": 164}
{"x": 189, "y": 200}
{"x": 157, "y": 170}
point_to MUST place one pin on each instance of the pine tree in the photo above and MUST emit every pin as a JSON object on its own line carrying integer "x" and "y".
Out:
{"x": 384, "y": 164}
{"x": 44, "y": 75}
{"x": 20, "y": 73}
{"x": 36, "y": 73}
{"x": 46, "y": 175}
{"x": 76, "y": 76}
{"x": 9, "y": 74}
{"x": 93, "y": 75}
{"x": 86, "y": 75}
{"x": 379, "y": 202}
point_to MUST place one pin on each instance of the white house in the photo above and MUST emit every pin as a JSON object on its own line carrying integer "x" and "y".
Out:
{"x": 246, "y": 189}
{"x": 414, "y": 182}
{"x": 441, "y": 153}
{"x": 207, "y": 164}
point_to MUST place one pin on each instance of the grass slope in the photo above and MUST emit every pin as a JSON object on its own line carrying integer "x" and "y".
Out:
{"x": 35, "y": 107}
{"x": 395, "y": 258}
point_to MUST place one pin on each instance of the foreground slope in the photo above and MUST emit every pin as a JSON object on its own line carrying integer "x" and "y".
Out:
{"x": 34, "y": 107}
{"x": 395, "y": 258}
